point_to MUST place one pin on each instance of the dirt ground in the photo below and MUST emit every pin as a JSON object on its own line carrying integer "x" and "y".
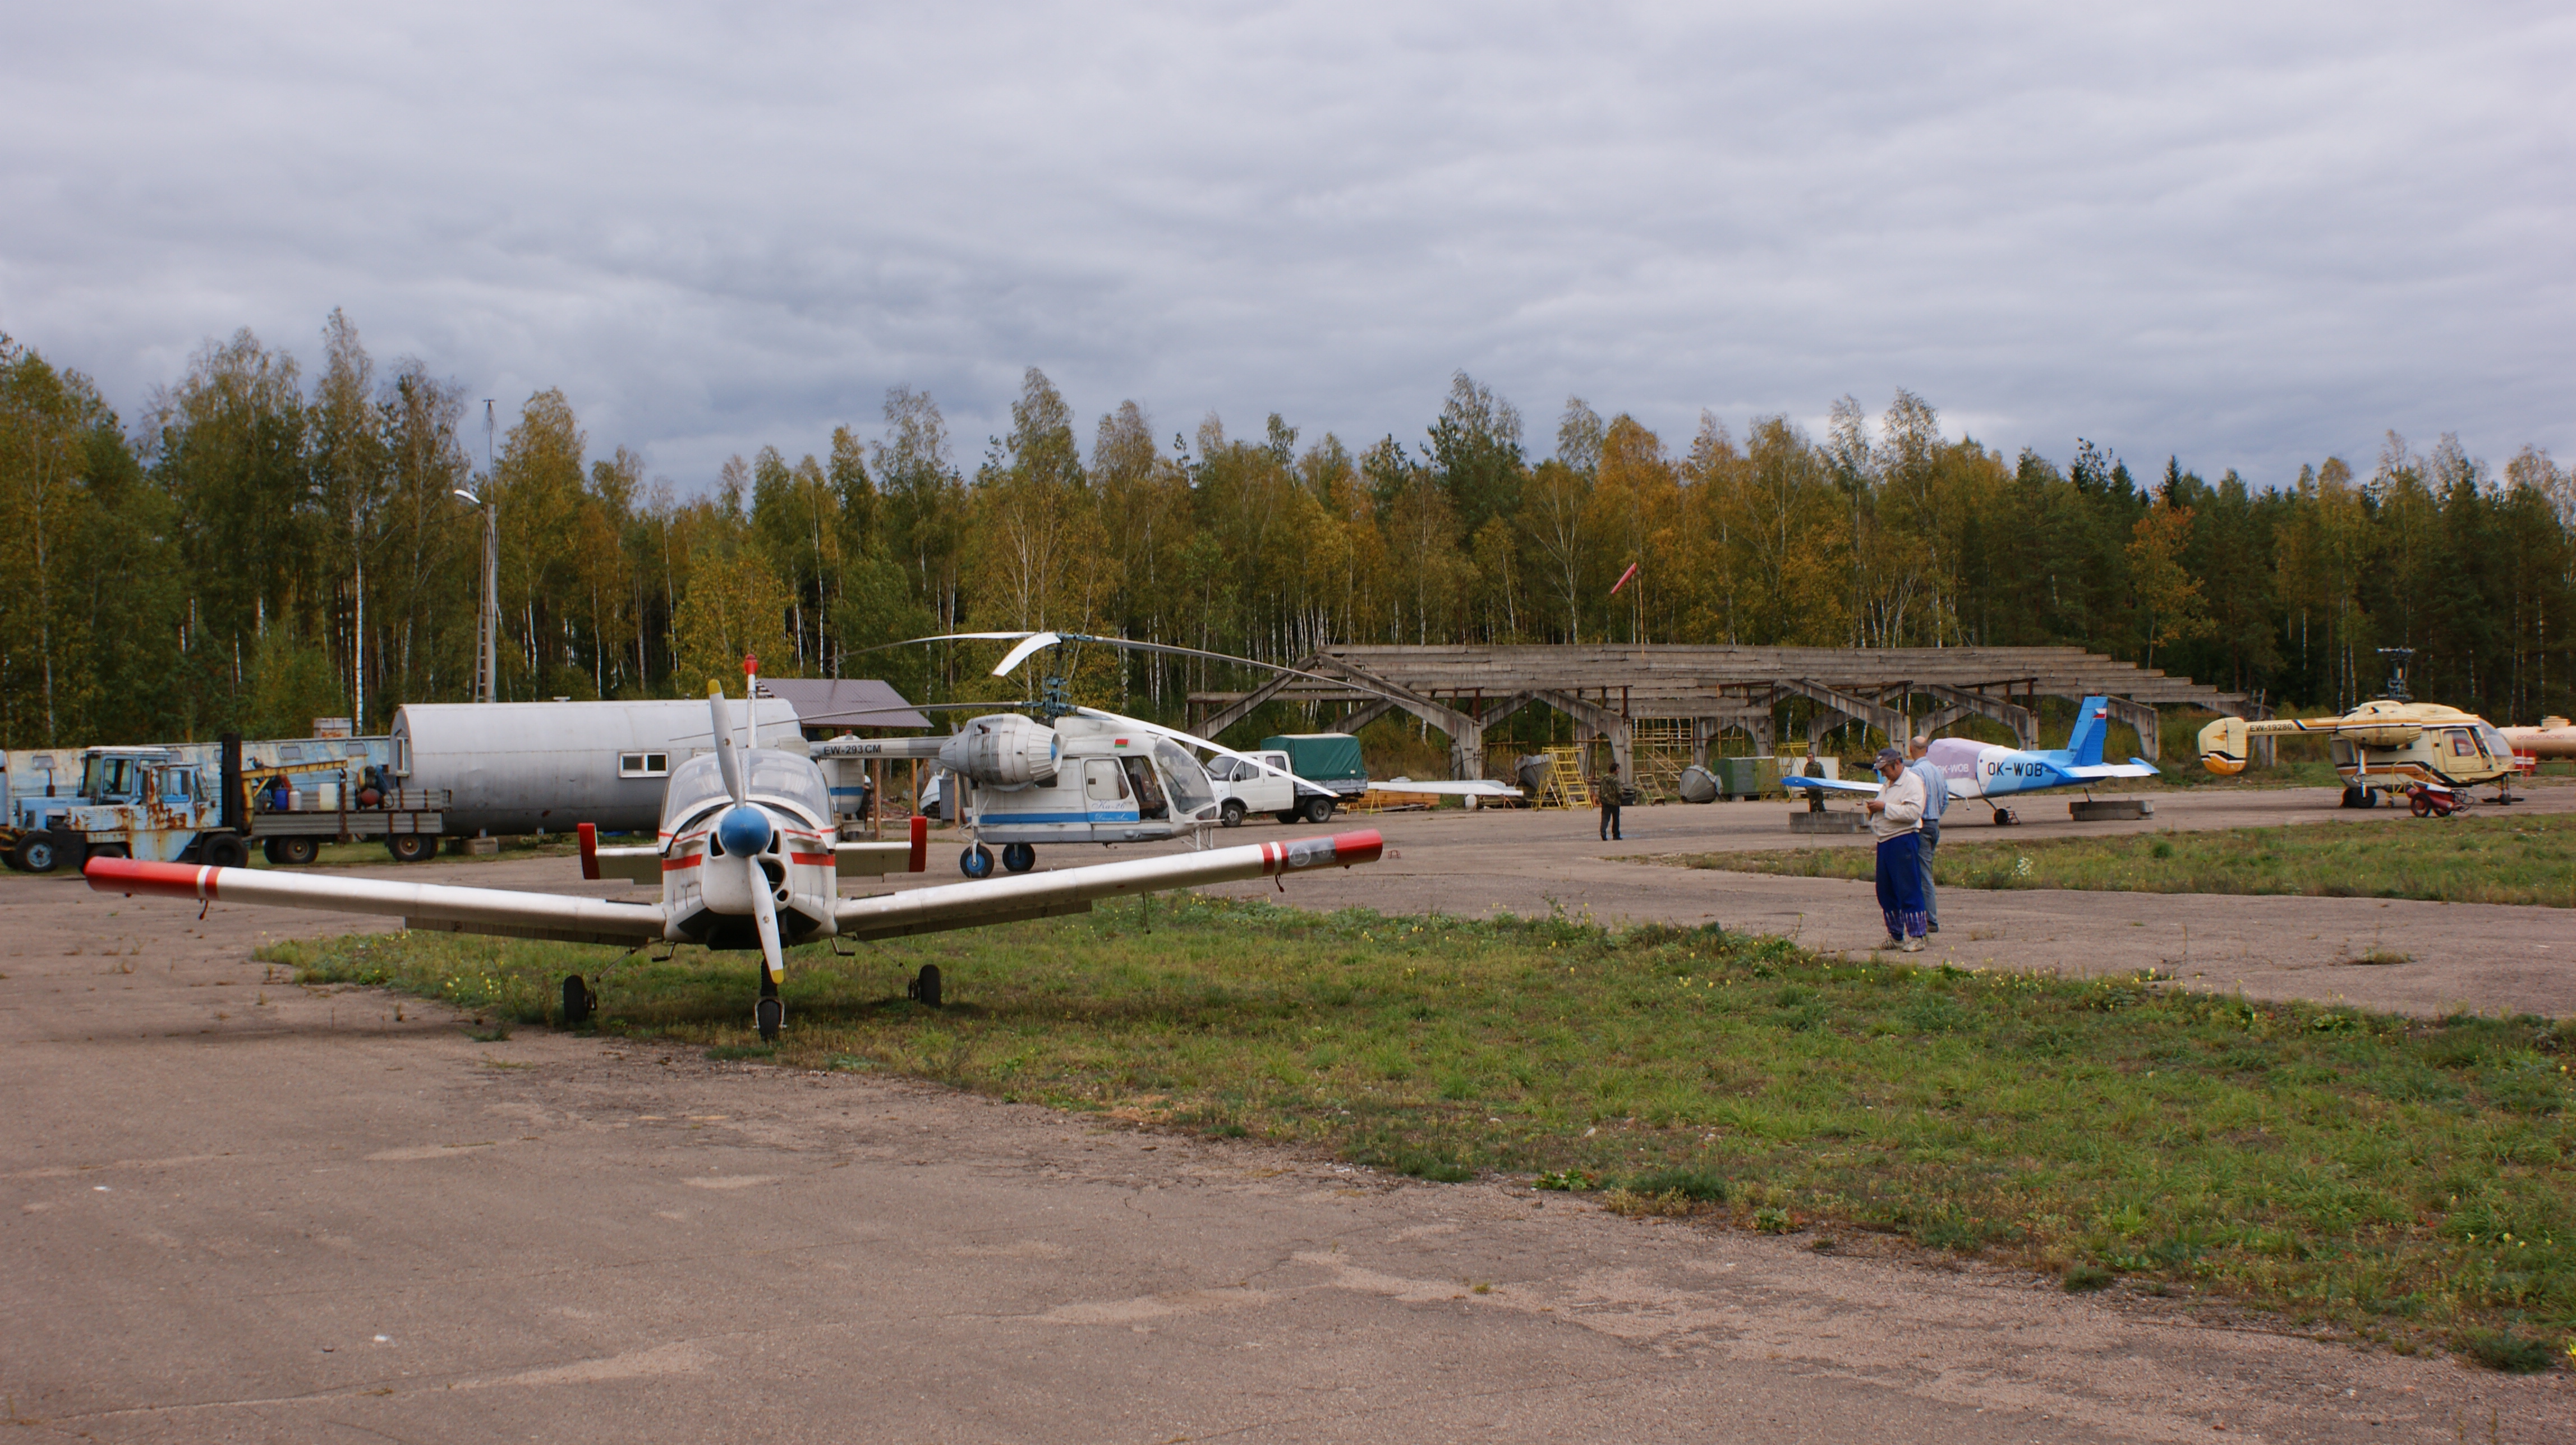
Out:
{"x": 564, "y": 1238}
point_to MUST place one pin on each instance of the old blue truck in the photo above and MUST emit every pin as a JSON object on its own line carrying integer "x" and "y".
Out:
{"x": 175, "y": 804}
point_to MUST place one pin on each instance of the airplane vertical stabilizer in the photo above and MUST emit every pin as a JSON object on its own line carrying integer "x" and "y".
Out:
{"x": 2092, "y": 720}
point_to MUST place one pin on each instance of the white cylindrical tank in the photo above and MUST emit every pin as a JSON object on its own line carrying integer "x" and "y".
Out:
{"x": 518, "y": 767}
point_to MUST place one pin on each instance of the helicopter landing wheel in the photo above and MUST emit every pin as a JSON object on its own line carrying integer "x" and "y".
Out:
{"x": 976, "y": 862}
{"x": 1019, "y": 857}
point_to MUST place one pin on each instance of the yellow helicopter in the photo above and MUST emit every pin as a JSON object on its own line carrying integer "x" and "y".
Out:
{"x": 2431, "y": 753}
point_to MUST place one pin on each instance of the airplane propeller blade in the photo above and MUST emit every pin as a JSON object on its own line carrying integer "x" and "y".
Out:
{"x": 764, "y": 913}
{"x": 728, "y": 761}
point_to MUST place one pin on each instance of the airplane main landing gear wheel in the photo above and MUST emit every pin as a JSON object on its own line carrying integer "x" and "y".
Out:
{"x": 579, "y": 1001}
{"x": 1019, "y": 857}
{"x": 924, "y": 987}
{"x": 976, "y": 862}
{"x": 2004, "y": 818}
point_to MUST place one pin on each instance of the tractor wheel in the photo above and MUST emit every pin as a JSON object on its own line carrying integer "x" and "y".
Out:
{"x": 295, "y": 852}
{"x": 412, "y": 847}
{"x": 1231, "y": 813}
{"x": 35, "y": 853}
{"x": 224, "y": 850}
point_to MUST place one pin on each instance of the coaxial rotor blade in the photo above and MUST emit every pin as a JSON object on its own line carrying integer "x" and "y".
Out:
{"x": 1131, "y": 645}
{"x": 1195, "y": 741}
{"x": 1034, "y": 642}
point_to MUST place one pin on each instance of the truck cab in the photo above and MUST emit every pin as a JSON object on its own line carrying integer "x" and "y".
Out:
{"x": 149, "y": 803}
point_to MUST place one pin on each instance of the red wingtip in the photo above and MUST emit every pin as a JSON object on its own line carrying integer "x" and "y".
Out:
{"x": 1360, "y": 847}
{"x": 920, "y": 844}
{"x": 589, "y": 850}
{"x": 133, "y": 875}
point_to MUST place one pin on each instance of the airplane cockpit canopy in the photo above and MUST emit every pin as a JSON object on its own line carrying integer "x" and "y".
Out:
{"x": 779, "y": 779}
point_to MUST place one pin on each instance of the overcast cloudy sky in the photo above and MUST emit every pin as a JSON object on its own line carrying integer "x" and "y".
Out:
{"x": 2251, "y": 235}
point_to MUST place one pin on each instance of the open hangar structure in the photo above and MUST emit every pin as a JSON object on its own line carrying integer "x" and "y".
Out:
{"x": 1610, "y": 689}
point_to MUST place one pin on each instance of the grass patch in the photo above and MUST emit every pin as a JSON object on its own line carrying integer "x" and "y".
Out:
{"x": 2491, "y": 859}
{"x": 2331, "y": 1164}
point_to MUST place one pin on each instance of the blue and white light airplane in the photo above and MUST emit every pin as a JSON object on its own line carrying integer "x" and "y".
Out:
{"x": 1989, "y": 771}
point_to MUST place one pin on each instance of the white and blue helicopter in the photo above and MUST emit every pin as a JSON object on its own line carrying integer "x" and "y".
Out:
{"x": 1988, "y": 771}
{"x": 746, "y": 858}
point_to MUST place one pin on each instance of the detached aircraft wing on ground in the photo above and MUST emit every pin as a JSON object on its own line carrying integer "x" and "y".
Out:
{"x": 1988, "y": 771}
{"x": 746, "y": 859}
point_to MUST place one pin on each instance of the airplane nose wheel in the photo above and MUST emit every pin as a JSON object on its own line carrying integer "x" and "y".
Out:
{"x": 976, "y": 862}
{"x": 772, "y": 1012}
{"x": 1019, "y": 857}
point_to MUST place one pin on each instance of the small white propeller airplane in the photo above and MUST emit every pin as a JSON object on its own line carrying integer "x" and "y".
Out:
{"x": 746, "y": 858}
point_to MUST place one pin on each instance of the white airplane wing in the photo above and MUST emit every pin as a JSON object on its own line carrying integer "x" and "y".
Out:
{"x": 1478, "y": 788}
{"x": 2133, "y": 768}
{"x": 1832, "y": 785}
{"x": 1044, "y": 895}
{"x": 510, "y": 914}
{"x": 436, "y": 907}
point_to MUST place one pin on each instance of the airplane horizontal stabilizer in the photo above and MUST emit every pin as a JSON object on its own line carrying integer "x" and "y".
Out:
{"x": 1832, "y": 785}
{"x": 427, "y": 905}
{"x": 2133, "y": 768}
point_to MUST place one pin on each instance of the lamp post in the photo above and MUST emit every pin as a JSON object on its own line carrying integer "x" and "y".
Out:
{"x": 485, "y": 671}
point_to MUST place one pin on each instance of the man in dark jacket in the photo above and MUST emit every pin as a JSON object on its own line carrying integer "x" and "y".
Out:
{"x": 1609, "y": 791}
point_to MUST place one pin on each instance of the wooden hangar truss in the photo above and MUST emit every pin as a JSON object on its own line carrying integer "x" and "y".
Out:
{"x": 1612, "y": 691}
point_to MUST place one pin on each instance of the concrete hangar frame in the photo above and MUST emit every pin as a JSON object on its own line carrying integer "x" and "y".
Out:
{"x": 1463, "y": 690}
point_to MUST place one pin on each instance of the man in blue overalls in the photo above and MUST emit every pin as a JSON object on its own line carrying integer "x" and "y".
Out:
{"x": 1936, "y": 798}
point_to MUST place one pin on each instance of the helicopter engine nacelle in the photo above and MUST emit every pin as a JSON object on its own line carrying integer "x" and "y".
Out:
{"x": 2222, "y": 746}
{"x": 1004, "y": 751}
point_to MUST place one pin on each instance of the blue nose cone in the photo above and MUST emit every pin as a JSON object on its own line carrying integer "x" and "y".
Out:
{"x": 743, "y": 831}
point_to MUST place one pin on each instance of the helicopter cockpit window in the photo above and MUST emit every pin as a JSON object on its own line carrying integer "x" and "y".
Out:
{"x": 1188, "y": 781}
{"x": 2463, "y": 745}
{"x": 2494, "y": 741}
{"x": 1102, "y": 782}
